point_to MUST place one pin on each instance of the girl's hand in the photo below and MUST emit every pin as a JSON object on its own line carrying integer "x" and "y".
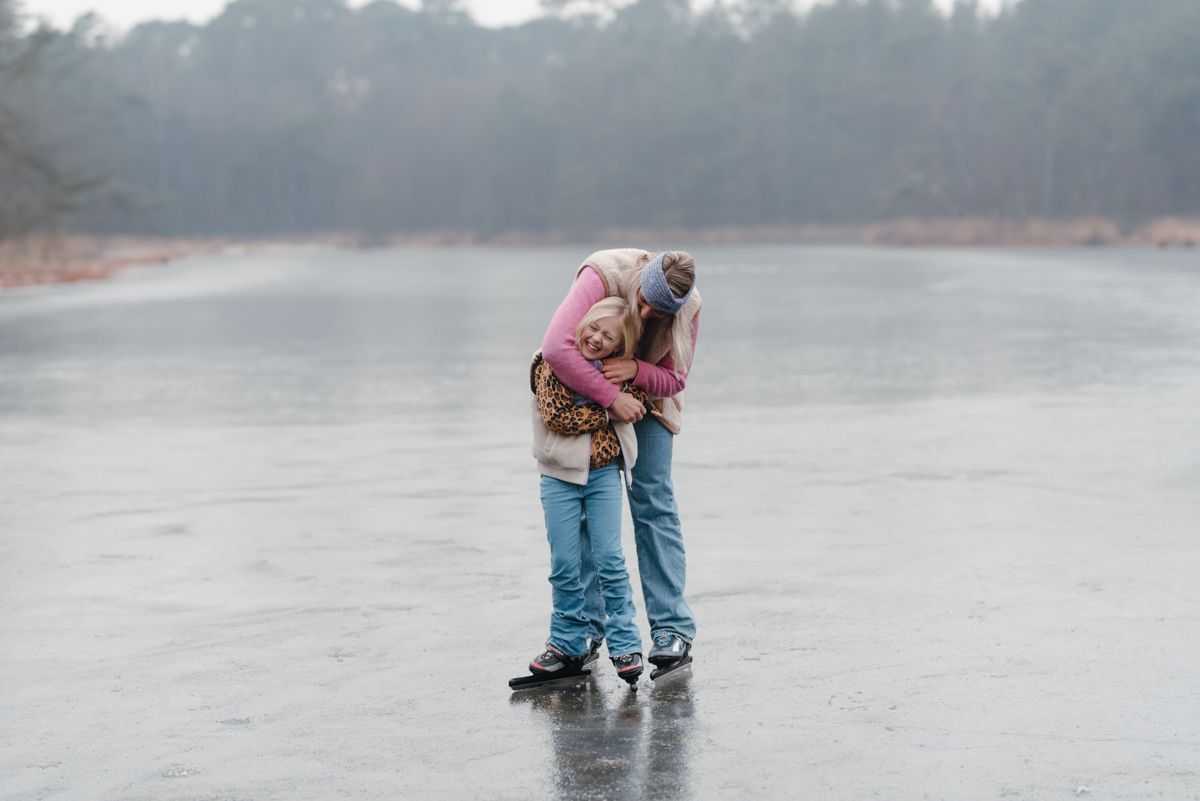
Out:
{"x": 618, "y": 371}
{"x": 626, "y": 408}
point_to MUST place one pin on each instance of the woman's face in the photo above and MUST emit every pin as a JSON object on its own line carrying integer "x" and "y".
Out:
{"x": 648, "y": 312}
{"x": 601, "y": 338}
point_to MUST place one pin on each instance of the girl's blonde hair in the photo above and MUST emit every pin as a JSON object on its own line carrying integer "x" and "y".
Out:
{"x": 631, "y": 328}
{"x": 679, "y": 268}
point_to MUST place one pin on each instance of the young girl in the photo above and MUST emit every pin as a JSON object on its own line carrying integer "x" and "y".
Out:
{"x": 580, "y": 455}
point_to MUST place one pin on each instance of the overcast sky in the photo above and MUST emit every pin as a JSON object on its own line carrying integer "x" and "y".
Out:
{"x": 127, "y": 13}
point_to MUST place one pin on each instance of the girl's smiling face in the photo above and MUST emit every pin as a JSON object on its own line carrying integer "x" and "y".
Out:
{"x": 601, "y": 338}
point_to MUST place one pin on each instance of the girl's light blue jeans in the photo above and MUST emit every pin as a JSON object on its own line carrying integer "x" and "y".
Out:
{"x": 658, "y": 536}
{"x": 565, "y": 505}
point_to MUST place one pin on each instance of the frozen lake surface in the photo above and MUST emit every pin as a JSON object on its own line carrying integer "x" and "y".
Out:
{"x": 269, "y": 529}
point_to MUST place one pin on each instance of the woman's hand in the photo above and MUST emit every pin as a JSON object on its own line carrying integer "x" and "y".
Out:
{"x": 618, "y": 371}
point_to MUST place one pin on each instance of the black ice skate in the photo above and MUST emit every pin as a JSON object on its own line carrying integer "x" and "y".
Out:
{"x": 593, "y": 652}
{"x": 629, "y": 667}
{"x": 551, "y": 668}
{"x": 669, "y": 654}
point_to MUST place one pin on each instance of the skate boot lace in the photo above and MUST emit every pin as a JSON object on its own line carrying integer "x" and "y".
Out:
{"x": 549, "y": 655}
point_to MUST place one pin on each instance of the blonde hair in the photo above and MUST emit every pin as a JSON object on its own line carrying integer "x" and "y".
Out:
{"x": 679, "y": 268}
{"x": 631, "y": 328}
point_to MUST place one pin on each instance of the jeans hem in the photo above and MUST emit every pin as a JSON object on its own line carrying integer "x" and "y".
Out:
{"x": 683, "y": 637}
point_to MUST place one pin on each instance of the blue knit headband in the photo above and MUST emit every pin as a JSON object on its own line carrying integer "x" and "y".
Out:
{"x": 656, "y": 290}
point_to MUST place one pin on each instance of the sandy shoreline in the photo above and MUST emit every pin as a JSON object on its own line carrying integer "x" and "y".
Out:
{"x": 913, "y": 232}
{"x": 64, "y": 259}
{"x": 68, "y": 258}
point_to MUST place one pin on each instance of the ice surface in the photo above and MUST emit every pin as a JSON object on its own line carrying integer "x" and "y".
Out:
{"x": 269, "y": 529}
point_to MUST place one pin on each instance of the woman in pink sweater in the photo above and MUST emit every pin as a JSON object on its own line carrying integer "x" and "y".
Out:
{"x": 662, "y": 288}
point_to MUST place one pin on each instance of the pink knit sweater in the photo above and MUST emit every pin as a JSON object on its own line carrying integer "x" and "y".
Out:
{"x": 564, "y": 358}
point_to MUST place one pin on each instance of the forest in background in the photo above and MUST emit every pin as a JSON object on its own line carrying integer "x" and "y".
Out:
{"x": 292, "y": 117}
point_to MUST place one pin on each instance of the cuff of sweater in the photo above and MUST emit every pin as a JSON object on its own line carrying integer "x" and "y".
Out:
{"x": 642, "y": 376}
{"x": 611, "y": 391}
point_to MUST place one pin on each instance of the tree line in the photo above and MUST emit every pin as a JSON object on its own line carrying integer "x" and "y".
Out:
{"x": 281, "y": 117}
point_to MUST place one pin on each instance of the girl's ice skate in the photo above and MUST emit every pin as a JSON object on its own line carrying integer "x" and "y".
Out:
{"x": 629, "y": 667}
{"x": 552, "y": 667}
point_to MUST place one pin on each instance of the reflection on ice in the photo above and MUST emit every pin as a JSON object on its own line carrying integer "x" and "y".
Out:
{"x": 614, "y": 743}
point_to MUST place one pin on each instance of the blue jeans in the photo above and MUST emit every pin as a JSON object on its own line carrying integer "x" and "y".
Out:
{"x": 565, "y": 505}
{"x": 658, "y": 537}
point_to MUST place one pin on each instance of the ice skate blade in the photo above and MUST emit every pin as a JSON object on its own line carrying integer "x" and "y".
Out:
{"x": 671, "y": 669}
{"x": 532, "y": 681}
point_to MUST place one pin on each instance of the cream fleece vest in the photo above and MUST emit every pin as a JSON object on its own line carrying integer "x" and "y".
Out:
{"x": 617, "y": 269}
{"x": 568, "y": 457}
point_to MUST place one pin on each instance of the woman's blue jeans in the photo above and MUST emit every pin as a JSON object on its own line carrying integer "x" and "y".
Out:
{"x": 658, "y": 536}
{"x": 566, "y": 506}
